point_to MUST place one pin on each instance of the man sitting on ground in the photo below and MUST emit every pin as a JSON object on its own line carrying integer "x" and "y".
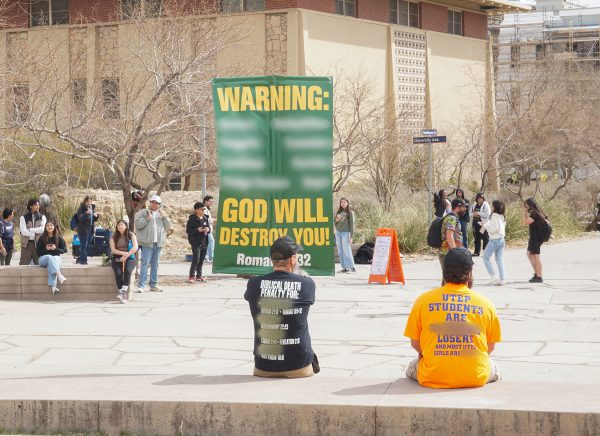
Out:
{"x": 279, "y": 304}
{"x": 454, "y": 330}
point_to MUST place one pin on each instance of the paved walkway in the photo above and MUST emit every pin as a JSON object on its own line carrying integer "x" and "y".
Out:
{"x": 551, "y": 331}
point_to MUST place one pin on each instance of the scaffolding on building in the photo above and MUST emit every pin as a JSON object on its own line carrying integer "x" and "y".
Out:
{"x": 573, "y": 35}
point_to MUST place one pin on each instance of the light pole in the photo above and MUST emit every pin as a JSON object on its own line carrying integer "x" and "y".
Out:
{"x": 203, "y": 154}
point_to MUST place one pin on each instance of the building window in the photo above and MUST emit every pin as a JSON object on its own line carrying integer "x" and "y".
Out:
{"x": 110, "y": 98}
{"x": 175, "y": 184}
{"x": 145, "y": 8}
{"x": 18, "y": 104}
{"x": 78, "y": 93}
{"x": 345, "y": 7}
{"x": 455, "y": 22}
{"x": 404, "y": 13}
{"x": 242, "y": 5}
{"x": 49, "y": 12}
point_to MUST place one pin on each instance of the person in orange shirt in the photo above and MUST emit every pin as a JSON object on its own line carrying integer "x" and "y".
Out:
{"x": 454, "y": 330}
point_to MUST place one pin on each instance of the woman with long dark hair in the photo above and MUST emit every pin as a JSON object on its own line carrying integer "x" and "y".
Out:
{"x": 344, "y": 230}
{"x": 481, "y": 214}
{"x": 496, "y": 228}
{"x": 49, "y": 248}
{"x": 534, "y": 217}
{"x": 123, "y": 246}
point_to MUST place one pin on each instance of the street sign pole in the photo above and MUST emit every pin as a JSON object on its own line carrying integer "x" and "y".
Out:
{"x": 429, "y": 137}
{"x": 429, "y": 180}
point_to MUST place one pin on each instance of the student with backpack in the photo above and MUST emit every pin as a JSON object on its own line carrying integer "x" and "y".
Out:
{"x": 496, "y": 228}
{"x": 450, "y": 231}
{"x": 540, "y": 231}
{"x": 197, "y": 230}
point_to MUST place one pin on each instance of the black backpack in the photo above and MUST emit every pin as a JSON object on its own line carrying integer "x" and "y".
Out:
{"x": 545, "y": 230}
{"x": 74, "y": 222}
{"x": 434, "y": 236}
{"x": 364, "y": 254}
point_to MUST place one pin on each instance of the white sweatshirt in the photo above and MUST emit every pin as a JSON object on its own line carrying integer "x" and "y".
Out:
{"x": 496, "y": 226}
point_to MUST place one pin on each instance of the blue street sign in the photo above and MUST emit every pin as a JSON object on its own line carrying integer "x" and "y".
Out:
{"x": 429, "y": 132}
{"x": 428, "y": 139}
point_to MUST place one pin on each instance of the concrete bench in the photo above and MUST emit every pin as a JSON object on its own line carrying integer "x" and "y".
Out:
{"x": 84, "y": 283}
{"x": 171, "y": 404}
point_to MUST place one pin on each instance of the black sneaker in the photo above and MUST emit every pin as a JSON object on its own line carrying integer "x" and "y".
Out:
{"x": 536, "y": 279}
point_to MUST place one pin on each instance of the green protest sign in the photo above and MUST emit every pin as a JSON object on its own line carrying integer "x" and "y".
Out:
{"x": 275, "y": 148}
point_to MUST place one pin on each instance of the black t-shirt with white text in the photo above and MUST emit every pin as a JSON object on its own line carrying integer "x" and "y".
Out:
{"x": 279, "y": 304}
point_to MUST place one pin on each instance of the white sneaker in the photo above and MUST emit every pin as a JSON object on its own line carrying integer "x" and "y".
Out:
{"x": 55, "y": 290}
{"x": 155, "y": 289}
{"x": 61, "y": 279}
{"x": 493, "y": 280}
{"x": 139, "y": 290}
{"x": 500, "y": 283}
{"x": 122, "y": 298}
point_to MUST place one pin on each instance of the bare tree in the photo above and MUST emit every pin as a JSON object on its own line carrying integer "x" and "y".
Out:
{"x": 138, "y": 116}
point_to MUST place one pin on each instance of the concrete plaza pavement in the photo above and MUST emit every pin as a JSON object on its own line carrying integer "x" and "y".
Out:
{"x": 551, "y": 331}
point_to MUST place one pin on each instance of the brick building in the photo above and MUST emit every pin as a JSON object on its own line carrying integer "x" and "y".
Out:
{"x": 433, "y": 57}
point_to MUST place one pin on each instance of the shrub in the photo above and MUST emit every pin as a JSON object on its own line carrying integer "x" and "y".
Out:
{"x": 409, "y": 221}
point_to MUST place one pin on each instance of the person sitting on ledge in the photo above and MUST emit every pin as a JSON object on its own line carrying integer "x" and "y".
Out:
{"x": 279, "y": 304}
{"x": 454, "y": 330}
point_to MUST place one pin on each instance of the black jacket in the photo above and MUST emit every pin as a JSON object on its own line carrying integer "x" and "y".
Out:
{"x": 61, "y": 247}
{"x": 194, "y": 236}
{"x": 85, "y": 221}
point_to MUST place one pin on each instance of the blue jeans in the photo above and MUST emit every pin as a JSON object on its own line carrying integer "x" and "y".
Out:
{"x": 150, "y": 257}
{"x": 210, "y": 252}
{"x": 494, "y": 246}
{"x": 342, "y": 240}
{"x": 85, "y": 241}
{"x": 465, "y": 234}
{"x": 53, "y": 264}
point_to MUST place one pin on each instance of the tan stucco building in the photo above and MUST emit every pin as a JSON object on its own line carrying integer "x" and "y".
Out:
{"x": 438, "y": 64}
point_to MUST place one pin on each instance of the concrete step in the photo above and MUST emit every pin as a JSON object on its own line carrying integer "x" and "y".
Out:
{"x": 84, "y": 283}
{"x": 242, "y": 404}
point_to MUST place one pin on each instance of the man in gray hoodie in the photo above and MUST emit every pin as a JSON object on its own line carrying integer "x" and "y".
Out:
{"x": 151, "y": 226}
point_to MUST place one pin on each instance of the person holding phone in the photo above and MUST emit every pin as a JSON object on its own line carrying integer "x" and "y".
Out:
{"x": 49, "y": 247}
{"x": 198, "y": 229}
{"x": 151, "y": 227}
{"x": 86, "y": 217}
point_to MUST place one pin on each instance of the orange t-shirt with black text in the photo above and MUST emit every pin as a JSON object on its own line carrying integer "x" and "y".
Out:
{"x": 453, "y": 325}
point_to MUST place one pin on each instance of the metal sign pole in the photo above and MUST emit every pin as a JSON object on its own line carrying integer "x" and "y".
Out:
{"x": 203, "y": 153}
{"x": 430, "y": 180}
{"x": 429, "y": 137}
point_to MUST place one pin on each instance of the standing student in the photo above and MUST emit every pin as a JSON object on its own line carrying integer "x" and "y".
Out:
{"x": 31, "y": 226}
{"x": 7, "y": 236}
{"x": 464, "y": 220}
{"x": 210, "y": 251}
{"x": 534, "y": 218}
{"x": 123, "y": 246}
{"x": 344, "y": 230}
{"x": 49, "y": 247}
{"x": 451, "y": 234}
{"x": 441, "y": 204}
{"x": 86, "y": 217}
{"x": 198, "y": 230}
{"x": 151, "y": 226}
{"x": 496, "y": 228}
{"x": 481, "y": 214}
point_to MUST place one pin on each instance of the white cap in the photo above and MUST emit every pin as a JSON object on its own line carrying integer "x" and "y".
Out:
{"x": 155, "y": 198}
